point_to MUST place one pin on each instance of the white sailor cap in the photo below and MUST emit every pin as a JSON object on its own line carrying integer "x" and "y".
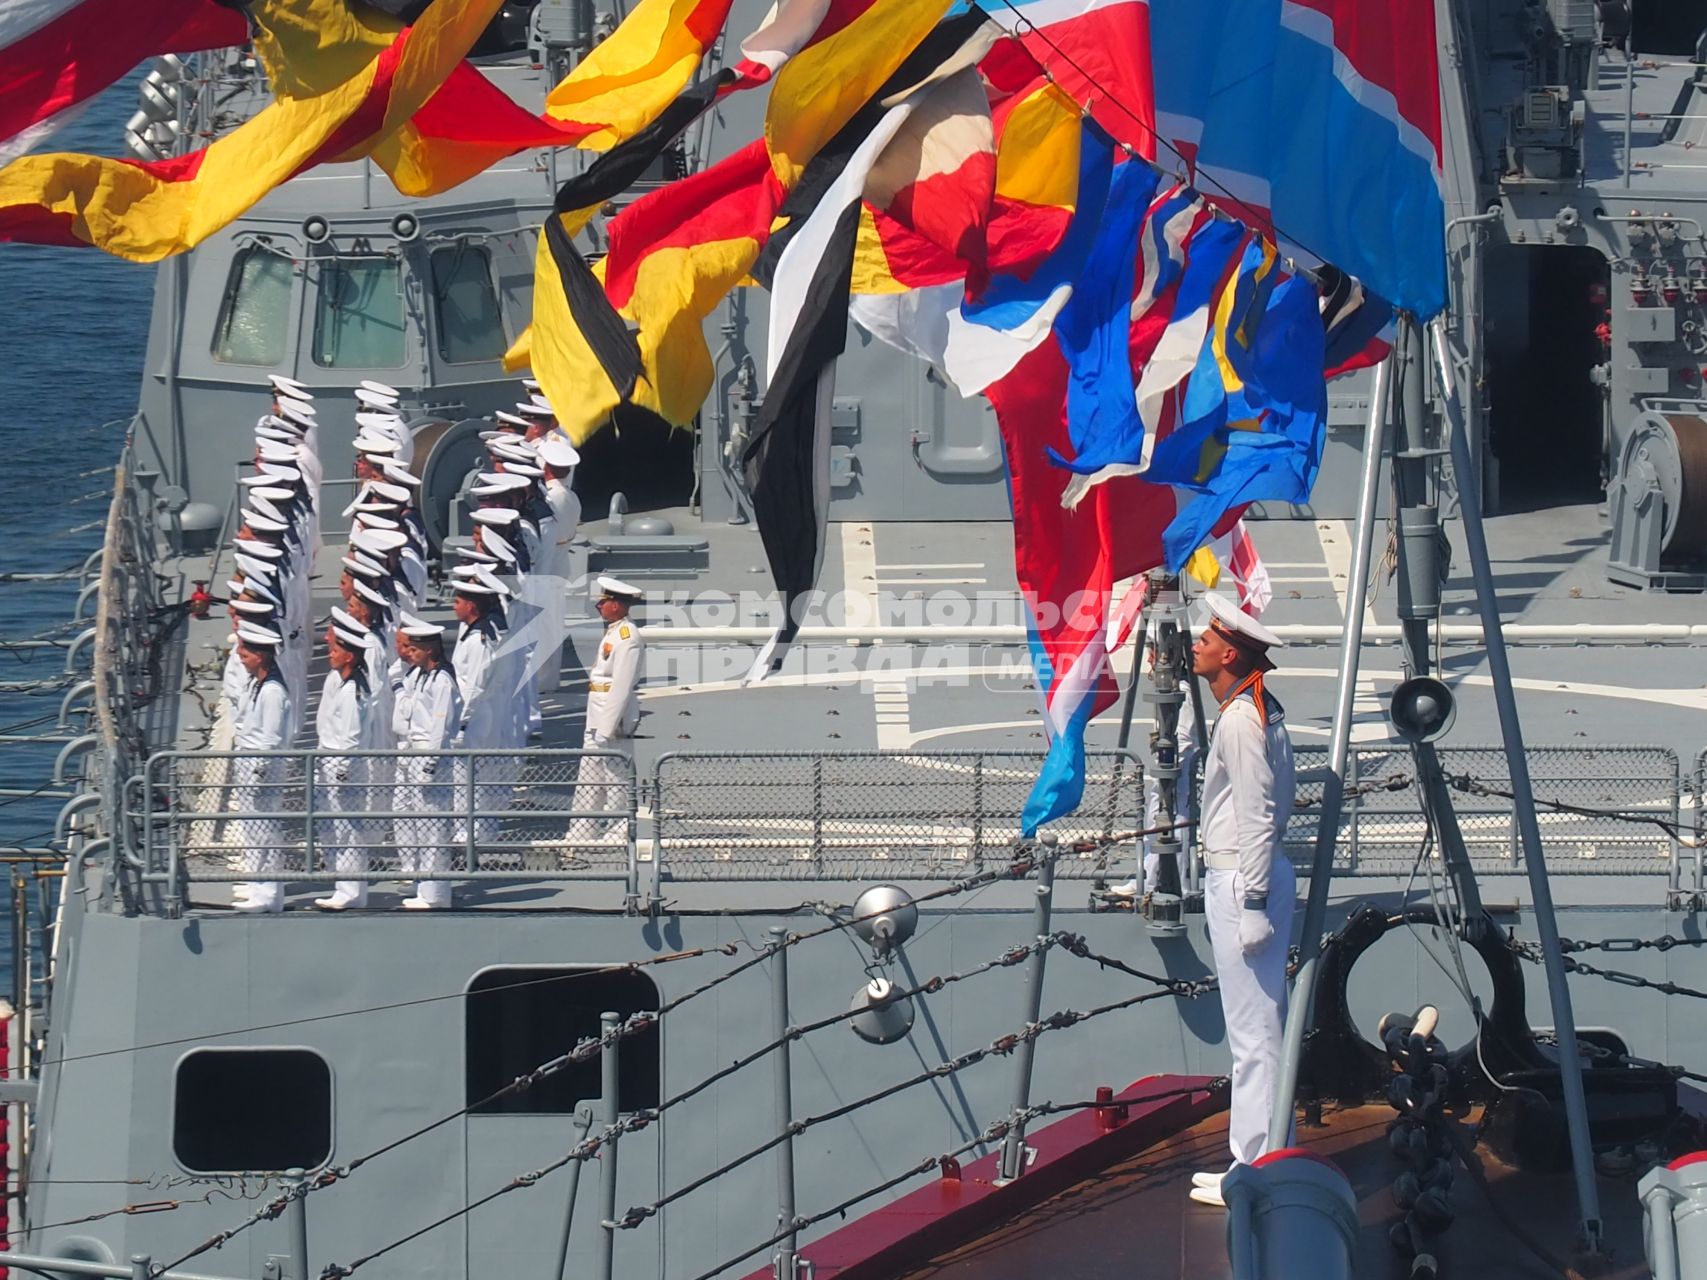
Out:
{"x": 419, "y": 628}
{"x": 266, "y": 551}
{"x": 340, "y": 617}
{"x": 290, "y": 386}
{"x": 254, "y": 568}
{"x": 617, "y": 589}
{"x": 254, "y": 635}
{"x": 377, "y": 541}
{"x": 495, "y": 515}
{"x": 395, "y": 493}
{"x": 534, "y": 409}
{"x": 275, "y": 451}
{"x": 374, "y": 400}
{"x": 372, "y": 520}
{"x": 556, "y": 452}
{"x": 396, "y": 471}
{"x": 498, "y": 545}
{"x": 377, "y": 443}
{"x": 261, "y": 503}
{"x": 361, "y": 567}
{"x": 370, "y": 593}
{"x": 300, "y": 412}
{"x": 1238, "y": 628}
{"x": 254, "y": 585}
{"x": 379, "y": 388}
{"x": 266, "y": 524}
{"x": 355, "y": 641}
{"x": 511, "y": 419}
{"x": 482, "y": 574}
{"x": 258, "y": 608}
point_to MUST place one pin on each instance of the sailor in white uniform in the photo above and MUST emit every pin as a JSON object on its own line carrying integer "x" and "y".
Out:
{"x": 613, "y": 712}
{"x": 344, "y": 722}
{"x": 426, "y": 717}
{"x": 558, "y": 460}
{"x": 1248, "y": 788}
{"x": 486, "y": 703}
{"x": 263, "y": 724}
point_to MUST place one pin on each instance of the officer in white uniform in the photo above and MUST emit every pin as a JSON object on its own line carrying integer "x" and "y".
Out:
{"x": 558, "y": 459}
{"x": 486, "y": 711}
{"x": 263, "y": 724}
{"x": 425, "y": 717}
{"x": 1247, "y": 797}
{"x": 613, "y": 711}
{"x": 344, "y": 721}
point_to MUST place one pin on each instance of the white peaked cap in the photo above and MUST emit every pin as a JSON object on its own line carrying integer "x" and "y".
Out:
{"x": 514, "y": 468}
{"x": 383, "y": 422}
{"x": 273, "y": 493}
{"x": 298, "y": 411}
{"x": 266, "y": 551}
{"x": 275, "y": 451}
{"x": 261, "y": 608}
{"x": 374, "y": 399}
{"x": 499, "y": 546}
{"x": 279, "y": 471}
{"x": 495, "y": 515}
{"x": 377, "y": 541}
{"x": 472, "y": 587}
{"x": 290, "y": 385}
{"x": 515, "y": 420}
{"x": 502, "y": 481}
{"x": 376, "y": 444}
{"x": 254, "y": 585}
{"x": 394, "y": 492}
{"x": 555, "y": 451}
{"x": 618, "y": 588}
{"x": 280, "y": 434}
{"x": 262, "y": 504}
{"x": 266, "y": 524}
{"x": 254, "y": 568}
{"x": 475, "y": 554}
{"x": 534, "y": 409}
{"x": 532, "y": 384}
{"x": 420, "y": 628}
{"x": 395, "y": 470}
{"x": 361, "y": 497}
{"x": 379, "y": 388}
{"x": 361, "y": 567}
{"x": 252, "y": 634}
{"x": 1239, "y": 627}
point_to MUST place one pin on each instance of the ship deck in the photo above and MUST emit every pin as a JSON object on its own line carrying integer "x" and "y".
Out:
{"x": 1134, "y": 1219}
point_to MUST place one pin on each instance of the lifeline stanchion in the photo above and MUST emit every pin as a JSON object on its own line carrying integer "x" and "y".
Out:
{"x": 1013, "y": 1143}
{"x": 785, "y": 1263}
{"x": 610, "y": 1105}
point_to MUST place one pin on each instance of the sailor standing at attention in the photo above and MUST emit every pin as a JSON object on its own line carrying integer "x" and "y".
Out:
{"x": 558, "y": 458}
{"x": 344, "y": 722}
{"x": 613, "y": 711}
{"x": 425, "y": 718}
{"x": 486, "y": 704}
{"x": 1248, "y": 898}
{"x": 263, "y": 724}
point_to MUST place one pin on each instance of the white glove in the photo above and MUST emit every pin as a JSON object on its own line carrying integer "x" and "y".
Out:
{"x": 1254, "y": 930}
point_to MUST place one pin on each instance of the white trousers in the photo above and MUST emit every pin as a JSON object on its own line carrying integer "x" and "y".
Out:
{"x": 260, "y": 838}
{"x": 601, "y": 783}
{"x": 338, "y": 792}
{"x": 1253, "y": 999}
{"x": 424, "y": 836}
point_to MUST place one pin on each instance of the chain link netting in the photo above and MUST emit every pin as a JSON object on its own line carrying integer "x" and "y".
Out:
{"x": 864, "y": 814}
{"x": 295, "y": 816}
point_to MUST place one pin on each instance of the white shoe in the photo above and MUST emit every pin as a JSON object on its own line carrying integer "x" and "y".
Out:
{"x": 1207, "y": 1180}
{"x": 340, "y": 902}
{"x": 242, "y": 889}
{"x": 421, "y": 904}
{"x": 1127, "y": 890}
{"x": 259, "y": 907}
{"x": 1209, "y": 1195}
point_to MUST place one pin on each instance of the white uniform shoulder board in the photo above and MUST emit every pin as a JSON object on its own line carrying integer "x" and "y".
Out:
{"x": 623, "y": 632}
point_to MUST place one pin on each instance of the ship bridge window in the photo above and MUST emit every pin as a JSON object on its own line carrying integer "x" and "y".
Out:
{"x": 519, "y": 1018}
{"x": 470, "y": 326}
{"x": 284, "y": 1100}
{"x": 255, "y": 312}
{"x": 358, "y": 315}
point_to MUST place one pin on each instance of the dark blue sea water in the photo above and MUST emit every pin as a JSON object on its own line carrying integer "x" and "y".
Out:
{"x": 73, "y": 325}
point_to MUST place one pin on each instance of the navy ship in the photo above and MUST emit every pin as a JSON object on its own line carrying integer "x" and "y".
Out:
{"x": 810, "y": 1003}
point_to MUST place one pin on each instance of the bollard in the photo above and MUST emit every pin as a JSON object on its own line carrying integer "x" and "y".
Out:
{"x": 1292, "y": 1213}
{"x": 1674, "y": 1206}
{"x": 610, "y": 1110}
{"x": 785, "y": 1262}
{"x": 1013, "y": 1145}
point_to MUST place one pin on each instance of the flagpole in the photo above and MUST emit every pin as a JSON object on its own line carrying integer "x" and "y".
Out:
{"x": 1333, "y": 791}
